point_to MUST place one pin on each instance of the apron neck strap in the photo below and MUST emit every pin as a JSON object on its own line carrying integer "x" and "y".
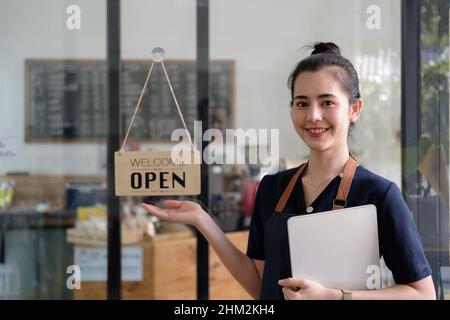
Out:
{"x": 287, "y": 192}
{"x": 344, "y": 187}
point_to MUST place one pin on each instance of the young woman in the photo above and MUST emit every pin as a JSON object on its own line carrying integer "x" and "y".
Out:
{"x": 325, "y": 103}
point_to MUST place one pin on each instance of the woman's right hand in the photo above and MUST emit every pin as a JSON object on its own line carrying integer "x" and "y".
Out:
{"x": 186, "y": 212}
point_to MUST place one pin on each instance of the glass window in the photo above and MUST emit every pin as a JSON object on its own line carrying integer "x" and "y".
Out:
{"x": 428, "y": 185}
{"x": 52, "y": 147}
{"x": 169, "y": 250}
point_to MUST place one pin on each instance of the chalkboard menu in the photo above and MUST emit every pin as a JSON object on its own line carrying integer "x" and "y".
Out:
{"x": 67, "y": 100}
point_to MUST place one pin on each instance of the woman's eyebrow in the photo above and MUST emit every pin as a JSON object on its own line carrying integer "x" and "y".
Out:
{"x": 327, "y": 95}
{"x": 323, "y": 95}
{"x": 300, "y": 97}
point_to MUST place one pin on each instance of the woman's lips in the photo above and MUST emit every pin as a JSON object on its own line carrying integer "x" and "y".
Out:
{"x": 316, "y": 132}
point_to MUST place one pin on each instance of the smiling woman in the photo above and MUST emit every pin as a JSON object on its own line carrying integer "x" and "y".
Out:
{"x": 325, "y": 102}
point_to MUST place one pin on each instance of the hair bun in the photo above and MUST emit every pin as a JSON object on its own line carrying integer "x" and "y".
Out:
{"x": 326, "y": 47}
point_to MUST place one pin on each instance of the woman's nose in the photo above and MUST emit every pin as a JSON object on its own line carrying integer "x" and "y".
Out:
{"x": 314, "y": 113}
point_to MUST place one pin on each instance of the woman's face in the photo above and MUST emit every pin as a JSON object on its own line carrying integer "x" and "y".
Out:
{"x": 321, "y": 112}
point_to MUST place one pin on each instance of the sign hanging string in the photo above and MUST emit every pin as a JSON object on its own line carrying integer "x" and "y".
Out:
{"x": 140, "y": 99}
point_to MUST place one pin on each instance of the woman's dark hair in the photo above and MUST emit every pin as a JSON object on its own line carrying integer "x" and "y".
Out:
{"x": 328, "y": 54}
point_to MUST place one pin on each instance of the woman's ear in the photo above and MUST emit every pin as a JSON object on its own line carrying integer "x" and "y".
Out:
{"x": 355, "y": 110}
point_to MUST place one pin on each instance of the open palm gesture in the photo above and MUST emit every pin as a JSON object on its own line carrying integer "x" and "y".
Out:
{"x": 186, "y": 212}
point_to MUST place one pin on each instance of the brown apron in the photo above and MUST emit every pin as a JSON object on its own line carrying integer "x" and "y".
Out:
{"x": 276, "y": 245}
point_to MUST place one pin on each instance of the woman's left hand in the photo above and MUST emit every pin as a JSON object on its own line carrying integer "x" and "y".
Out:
{"x": 302, "y": 289}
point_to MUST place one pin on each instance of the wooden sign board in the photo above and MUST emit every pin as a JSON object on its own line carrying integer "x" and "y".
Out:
{"x": 156, "y": 173}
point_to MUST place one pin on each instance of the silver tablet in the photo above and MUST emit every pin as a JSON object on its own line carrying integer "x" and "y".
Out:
{"x": 338, "y": 249}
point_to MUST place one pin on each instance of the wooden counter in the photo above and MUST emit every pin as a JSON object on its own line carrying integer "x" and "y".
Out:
{"x": 169, "y": 270}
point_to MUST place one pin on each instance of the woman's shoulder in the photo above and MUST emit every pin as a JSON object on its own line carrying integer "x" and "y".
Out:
{"x": 278, "y": 179}
{"x": 272, "y": 185}
{"x": 369, "y": 180}
{"x": 366, "y": 175}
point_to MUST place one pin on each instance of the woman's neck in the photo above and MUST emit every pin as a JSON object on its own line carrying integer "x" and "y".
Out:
{"x": 328, "y": 163}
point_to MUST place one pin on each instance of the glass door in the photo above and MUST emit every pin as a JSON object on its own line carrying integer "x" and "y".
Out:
{"x": 53, "y": 84}
{"x": 426, "y": 134}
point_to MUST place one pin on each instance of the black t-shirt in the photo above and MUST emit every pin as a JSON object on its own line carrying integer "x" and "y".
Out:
{"x": 399, "y": 241}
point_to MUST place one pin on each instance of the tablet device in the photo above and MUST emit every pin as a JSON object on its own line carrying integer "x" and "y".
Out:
{"x": 337, "y": 248}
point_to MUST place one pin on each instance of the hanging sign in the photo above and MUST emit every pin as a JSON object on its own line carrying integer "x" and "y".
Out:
{"x": 157, "y": 173}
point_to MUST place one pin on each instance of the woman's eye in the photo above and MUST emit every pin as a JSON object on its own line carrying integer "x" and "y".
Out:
{"x": 301, "y": 104}
{"x": 328, "y": 103}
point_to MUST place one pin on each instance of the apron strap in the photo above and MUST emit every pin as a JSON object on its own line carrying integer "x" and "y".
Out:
{"x": 287, "y": 192}
{"x": 344, "y": 187}
{"x": 346, "y": 181}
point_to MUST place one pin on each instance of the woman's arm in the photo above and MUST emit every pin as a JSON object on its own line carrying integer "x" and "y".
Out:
{"x": 244, "y": 269}
{"x": 419, "y": 290}
{"x": 422, "y": 290}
